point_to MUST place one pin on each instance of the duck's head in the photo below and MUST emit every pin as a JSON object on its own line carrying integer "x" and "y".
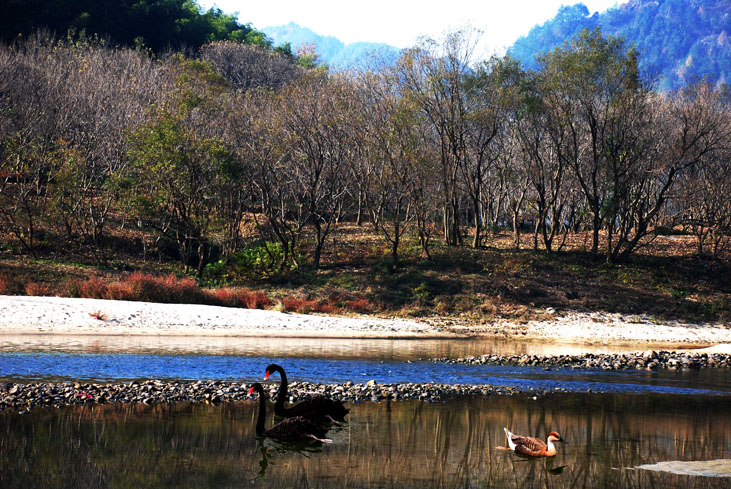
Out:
{"x": 553, "y": 436}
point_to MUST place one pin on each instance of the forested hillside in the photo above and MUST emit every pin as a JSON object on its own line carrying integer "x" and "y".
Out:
{"x": 679, "y": 40}
{"x": 154, "y": 24}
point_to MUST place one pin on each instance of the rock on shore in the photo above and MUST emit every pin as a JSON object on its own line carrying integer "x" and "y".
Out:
{"x": 24, "y": 397}
{"x": 647, "y": 360}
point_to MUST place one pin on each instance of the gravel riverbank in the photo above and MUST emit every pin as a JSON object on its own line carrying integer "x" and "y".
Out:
{"x": 24, "y": 397}
{"x": 647, "y": 360}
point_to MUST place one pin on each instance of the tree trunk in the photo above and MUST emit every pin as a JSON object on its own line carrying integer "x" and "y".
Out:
{"x": 394, "y": 249}
{"x": 595, "y": 235}
{"x": 478, "y": 223}
{"x": 359, "y": 217}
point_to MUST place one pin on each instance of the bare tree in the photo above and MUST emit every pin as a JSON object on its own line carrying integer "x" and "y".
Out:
{"x": 248, "y": 67}
{"x": 700, "y": 119}
{"x": 393, "y": 142}
{"x": 107, "y": 93}
{"x": 582, "y": 82}
{"x": 316, "y": 113}
{"x": 31, "y": 84}
{"x": 434, "y": 75}
{"x": 73, "y": 103}
{"x": 489, "y": 100}
{"x": 263, "y": 140}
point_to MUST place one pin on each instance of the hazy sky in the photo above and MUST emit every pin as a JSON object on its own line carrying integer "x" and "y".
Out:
{"x": 400, "y": 22}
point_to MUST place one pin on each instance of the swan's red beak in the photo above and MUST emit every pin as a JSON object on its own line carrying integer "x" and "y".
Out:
{"x": 251, "y": 391}
{"x": 266, "y": 376}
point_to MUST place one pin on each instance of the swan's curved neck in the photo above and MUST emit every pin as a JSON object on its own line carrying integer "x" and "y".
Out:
{"x": 262, "y": 414}
{"x": 282, "y": 394}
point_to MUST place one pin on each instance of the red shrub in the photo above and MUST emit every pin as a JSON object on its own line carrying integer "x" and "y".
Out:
{"x": 256, "y": 299}
{"x": 221, "y": 297}
{"x": 168, "y": 289}
{"x": 183, "y": 290}
{"x": 302, "y": 306}
{"x": 91, "y": 288}
{"x": 34, "y": 288}
{"x": 239, "y": 298}
{"x": 120, "y": 291}
{"x": 325, "y": 308}
{"x": 98, "y": 315}
{"x": 359, "y": 305}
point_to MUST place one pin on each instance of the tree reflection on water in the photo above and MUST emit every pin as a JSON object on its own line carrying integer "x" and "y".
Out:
{"x": 389, "y": 444}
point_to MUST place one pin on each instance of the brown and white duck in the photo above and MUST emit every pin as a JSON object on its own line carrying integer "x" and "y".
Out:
{"x": 533, "y": 447}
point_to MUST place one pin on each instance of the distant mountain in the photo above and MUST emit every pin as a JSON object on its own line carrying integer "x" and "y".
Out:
{"x": 679, "y": 40}
{"x": 331, "y": 50}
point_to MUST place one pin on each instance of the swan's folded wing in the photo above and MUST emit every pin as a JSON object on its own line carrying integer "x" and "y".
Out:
{"x": 297, "y": 428}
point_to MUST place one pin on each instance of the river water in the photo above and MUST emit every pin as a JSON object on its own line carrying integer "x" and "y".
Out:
{"x": 342, "y": 348}
{"x": 635, "y": 429}
{"x": 407, "y": 444}
{"x": 109, "y": 367}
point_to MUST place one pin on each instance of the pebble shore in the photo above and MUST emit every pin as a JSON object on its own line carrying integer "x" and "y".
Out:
{"x": 647, "y": 360}
{"x": 22, "y": 398}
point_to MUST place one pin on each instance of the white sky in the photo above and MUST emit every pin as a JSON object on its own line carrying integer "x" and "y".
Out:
{"x": 401, "y": 22}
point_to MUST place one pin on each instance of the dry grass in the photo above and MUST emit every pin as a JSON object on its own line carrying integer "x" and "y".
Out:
{"x": 98, "y": 315}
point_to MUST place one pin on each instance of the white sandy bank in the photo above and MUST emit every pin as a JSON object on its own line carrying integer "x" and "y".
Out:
{"x": 58, "y": 315}
{"x": 55, "y": 315}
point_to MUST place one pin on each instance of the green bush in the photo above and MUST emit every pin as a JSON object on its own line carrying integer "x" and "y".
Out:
{"x": 257, "y": 261}
{"x": 422, "y": 294}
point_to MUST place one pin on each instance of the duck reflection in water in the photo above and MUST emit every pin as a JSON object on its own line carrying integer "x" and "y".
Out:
{"x": 554, "y": 470}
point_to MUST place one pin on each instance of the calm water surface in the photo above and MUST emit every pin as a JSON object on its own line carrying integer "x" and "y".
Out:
{"x": 340, "y": 348}
{"x": 384, "y": 445}
{"x": 105, "y": 367}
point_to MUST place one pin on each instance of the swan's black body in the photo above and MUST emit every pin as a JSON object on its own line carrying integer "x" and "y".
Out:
{"x": 292, "y": 429}
{"x": 317, "y": 407}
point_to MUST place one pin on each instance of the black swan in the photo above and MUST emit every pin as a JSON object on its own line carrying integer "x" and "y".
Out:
{"x": 292, "y": 429}
{"x": 316, "y": 407}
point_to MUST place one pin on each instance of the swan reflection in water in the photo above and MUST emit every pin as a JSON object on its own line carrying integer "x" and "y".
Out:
{"x": 270, "y": 449}
{"x": 410, "y": 444}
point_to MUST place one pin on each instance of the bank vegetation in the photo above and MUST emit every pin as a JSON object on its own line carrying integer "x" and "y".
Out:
{"x": 434, "y": 172}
